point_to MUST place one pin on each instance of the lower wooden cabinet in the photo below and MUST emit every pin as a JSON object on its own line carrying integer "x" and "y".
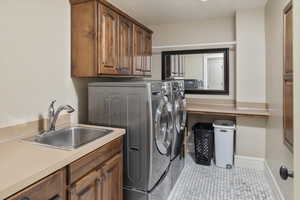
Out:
{"x": 86, "y": 188}
{"x": 102, "y": 184}
{"x": 52, "y": 187}
{"x": 112, "y": 185}
{"x": 96, "y": 176}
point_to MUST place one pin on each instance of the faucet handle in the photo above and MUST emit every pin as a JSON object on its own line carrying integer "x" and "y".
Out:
{"x": 70, "y": 109}
{"x": 51, "y": 107}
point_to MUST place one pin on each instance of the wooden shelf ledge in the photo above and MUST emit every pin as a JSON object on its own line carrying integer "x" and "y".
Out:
{"x": 211, "y": 109}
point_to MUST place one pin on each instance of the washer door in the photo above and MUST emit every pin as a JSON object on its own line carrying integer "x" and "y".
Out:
{"x": 180, "y": 113}
{"x": 163, "y": 126}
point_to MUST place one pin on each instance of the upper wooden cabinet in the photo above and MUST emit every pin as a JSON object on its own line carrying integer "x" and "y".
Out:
{"x": 138, "y": 34}
{"x": 107, "y": 42}
{"x": 147, "y": 54}
{"x": 142, "y": 52}
{"x": 125, "y": 45}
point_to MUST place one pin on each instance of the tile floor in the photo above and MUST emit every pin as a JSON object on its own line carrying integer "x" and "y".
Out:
{"x": 199, "y": 182}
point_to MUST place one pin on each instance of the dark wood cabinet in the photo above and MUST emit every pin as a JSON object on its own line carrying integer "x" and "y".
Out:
{"x": 84, "y": 39}
{"x": 106, "y": 183}
{"x": 288, "y": 83}
{"x": 142, "y": 52}
{"x": 125, "y": 45}
{"x": 96, "y": 176}
{"x": 87, "y": 188}
{"x": 108, "y": 42}
{"x": 147, "y": 54}
{"x": 112, "y": 174}
{"x": 52, "y": 187}
{"x": 138, "y": 48}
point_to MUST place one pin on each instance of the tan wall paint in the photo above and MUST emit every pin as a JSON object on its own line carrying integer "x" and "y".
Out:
{"x": 35, "y": 60}
{"x": 216, "y": 30}
{"x": 250, "y": 131}
{"x": 276, "y": 153}
{"x": 204, "y": 31}
{"x": 250, "y": 73}
{"x": 251, "y": 136}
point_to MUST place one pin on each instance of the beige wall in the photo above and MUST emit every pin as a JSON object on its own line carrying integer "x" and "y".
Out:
{"x": 35, "y": 60}
{"x": 205, "y": 31}
{"x": 250, "y": 73}
{"x": 276, "y": 153}
{"x": 250, "y": 131}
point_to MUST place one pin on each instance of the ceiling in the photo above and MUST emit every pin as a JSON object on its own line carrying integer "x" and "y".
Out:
{"x": 152, "y": 12}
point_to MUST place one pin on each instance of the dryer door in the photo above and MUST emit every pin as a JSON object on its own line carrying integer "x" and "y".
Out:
{"x": 163, "y": 126}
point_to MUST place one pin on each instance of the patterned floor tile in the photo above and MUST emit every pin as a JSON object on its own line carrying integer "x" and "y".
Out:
{"x": 199, "y": 182}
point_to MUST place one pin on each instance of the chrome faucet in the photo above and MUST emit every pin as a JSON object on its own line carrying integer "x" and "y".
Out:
{"x": 53, "y": 115}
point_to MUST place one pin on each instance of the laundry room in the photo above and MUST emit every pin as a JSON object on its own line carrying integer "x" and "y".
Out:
{"x": 149, "y": 100}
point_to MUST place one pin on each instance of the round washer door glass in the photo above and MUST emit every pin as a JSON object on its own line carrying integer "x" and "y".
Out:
{"x": 163, "y": 126}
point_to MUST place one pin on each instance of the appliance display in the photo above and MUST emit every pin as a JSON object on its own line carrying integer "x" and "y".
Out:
{"x": 144, "y": 109}
{"x": 179, "y": 119}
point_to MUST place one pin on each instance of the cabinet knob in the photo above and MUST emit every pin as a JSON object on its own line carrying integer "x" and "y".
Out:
{"x": 285, "y": 173}
{"x": 24, "y": 198}
{"x": 98, "y": 180}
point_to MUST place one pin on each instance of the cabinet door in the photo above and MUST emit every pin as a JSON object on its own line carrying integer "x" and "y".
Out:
{"x": 288, "y": 113}
{"x": 147, "y": 54}
{"x": 113, "y": 182}
{"x": 86, "y": 188}
{"x": 125, "y": 46}
{"x": 288, "y": 41}
{"x": 138, "y": 50}
{"x": 288, "y": 83}
{"x": 51, "y": 188}
{"x": 84, "y": 40}
{"x": 108, "y": 47}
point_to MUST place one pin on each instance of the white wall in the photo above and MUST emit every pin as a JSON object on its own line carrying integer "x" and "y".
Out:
{"x": 205, "y": 31}
{"x": 251, "y": 70}
{"x": 276, "y": 152}
{"x": 35, "y": 59}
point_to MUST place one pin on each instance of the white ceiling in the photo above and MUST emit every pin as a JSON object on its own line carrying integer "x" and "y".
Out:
{"x": 152, "y": 12}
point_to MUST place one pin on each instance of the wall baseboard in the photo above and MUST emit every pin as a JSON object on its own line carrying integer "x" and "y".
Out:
{"x": 273, "y": 183}
{"x": 249, "y": 162}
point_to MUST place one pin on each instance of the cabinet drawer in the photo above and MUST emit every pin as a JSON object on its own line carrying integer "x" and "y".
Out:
{"x": 52, "y": 187}
{"x": 81, "y": 167}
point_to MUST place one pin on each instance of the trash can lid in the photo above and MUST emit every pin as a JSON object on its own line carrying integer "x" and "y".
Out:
{"x": 224, "y": 124}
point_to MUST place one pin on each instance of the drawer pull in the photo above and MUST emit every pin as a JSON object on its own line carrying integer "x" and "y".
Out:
{"x": 24, "y": 198}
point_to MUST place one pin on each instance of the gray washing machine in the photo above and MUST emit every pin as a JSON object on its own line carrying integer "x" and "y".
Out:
{"x": 179, "y": 119}
{"x": 144, "y": 109}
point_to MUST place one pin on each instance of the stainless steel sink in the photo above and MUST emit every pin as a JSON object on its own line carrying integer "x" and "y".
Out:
{"x": 69, "y": 138}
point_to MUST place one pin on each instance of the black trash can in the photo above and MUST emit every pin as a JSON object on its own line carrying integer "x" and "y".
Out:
{"x": 204, "y": 143}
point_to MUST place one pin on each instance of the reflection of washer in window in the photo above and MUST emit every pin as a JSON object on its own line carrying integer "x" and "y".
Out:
{"x": 213, "y": 71}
